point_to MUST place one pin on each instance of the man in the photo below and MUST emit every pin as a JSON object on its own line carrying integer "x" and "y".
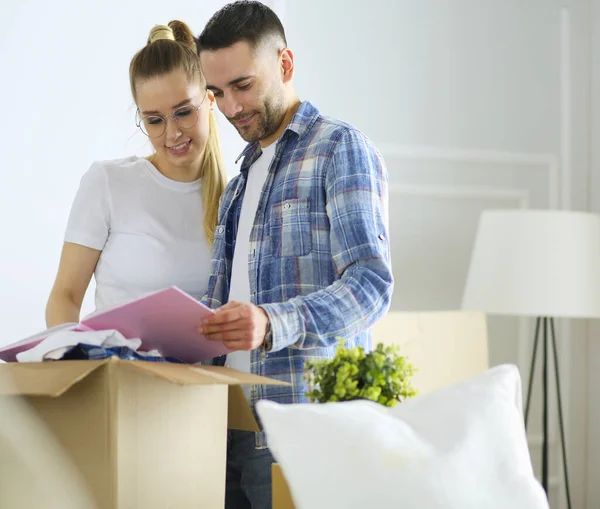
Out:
{"x": 301, "y": 253}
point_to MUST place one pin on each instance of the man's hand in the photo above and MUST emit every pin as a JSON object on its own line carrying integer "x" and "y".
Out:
{"x": 240, "y": 325}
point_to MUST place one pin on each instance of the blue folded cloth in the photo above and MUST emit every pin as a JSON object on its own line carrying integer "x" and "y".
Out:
{"x": 81, "y": 351}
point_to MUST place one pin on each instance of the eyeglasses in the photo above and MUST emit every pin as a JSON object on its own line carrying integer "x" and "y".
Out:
{"x": 154, "y": 126}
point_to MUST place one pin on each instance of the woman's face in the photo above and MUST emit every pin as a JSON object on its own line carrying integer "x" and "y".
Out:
{"x": 178, "y": 144}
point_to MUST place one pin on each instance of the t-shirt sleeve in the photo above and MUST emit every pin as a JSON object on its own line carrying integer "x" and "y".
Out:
{"x": 89, "y": 220}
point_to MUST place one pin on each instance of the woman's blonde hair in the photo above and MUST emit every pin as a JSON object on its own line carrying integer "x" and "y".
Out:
{"x": 169, "y": 48}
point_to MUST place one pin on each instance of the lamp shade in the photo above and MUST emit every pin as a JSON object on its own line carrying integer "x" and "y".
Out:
{"x": 536, "y": 263}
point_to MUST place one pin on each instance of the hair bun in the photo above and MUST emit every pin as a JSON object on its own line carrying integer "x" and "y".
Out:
{"x": 160, "y": 32}
{"x": 183, "y": 34}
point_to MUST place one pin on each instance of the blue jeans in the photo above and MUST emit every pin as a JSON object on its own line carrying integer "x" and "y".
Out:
{"x": 248, "y": 483}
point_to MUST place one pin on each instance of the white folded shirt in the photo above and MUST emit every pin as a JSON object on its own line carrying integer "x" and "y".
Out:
{"x": 56, "y": 344}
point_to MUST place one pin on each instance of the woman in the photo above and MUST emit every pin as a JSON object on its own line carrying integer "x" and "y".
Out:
{"x": 142, "y": 224}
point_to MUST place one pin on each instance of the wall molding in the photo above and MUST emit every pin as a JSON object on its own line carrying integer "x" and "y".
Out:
{"x": 504, "y": 159}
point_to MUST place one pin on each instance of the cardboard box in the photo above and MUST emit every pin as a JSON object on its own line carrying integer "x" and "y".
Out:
{"x": 142, "y": 434}
{"x": 445, "y": 347}
{"x": 282, "y": 498}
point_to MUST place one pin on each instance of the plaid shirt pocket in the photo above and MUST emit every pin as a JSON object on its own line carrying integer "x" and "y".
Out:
{"x": 290, "y": 228}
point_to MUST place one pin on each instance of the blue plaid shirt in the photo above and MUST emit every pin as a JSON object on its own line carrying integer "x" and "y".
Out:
{"x": 319, "y": 261}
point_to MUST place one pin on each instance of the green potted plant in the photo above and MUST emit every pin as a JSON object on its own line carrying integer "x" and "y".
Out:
{"x": 382, "y": 375}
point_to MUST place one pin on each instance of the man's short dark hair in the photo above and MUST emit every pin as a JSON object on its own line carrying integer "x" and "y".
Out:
{"x": 243, "y": 20}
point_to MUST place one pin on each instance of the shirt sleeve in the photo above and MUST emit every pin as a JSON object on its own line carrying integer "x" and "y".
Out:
{"x": 357, "y": 207}
{"x": 89, "y": 219}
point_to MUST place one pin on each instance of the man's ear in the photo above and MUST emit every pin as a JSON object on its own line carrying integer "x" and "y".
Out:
{"x": 286, "y": 58}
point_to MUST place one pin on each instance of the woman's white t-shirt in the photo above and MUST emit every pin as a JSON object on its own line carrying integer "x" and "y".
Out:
{"x": 149, "y": 228}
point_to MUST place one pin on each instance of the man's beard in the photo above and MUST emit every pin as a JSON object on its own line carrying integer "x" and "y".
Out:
{"x": 267, "y": 121}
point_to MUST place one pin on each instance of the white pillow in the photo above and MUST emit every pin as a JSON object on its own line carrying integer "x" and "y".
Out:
{"x": 462, "y": 447}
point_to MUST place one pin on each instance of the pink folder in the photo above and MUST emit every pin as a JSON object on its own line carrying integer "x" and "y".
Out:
{"x": 165, "y": 320}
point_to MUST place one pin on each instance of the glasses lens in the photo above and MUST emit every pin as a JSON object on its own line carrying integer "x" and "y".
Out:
{"x": 152, "y": 126}
{"x": 186, "y": 116}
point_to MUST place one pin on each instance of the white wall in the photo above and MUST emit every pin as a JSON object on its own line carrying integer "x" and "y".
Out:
{"x": 474, "y": 103}
{"x": 66, "y": 102}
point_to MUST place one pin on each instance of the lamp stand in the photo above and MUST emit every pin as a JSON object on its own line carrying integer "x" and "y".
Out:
{"x": 544, "y": 322}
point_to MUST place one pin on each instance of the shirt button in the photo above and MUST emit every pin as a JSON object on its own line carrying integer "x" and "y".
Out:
{"x": 381, "y": 236}
{"x": 220, "y": 229}
{"x": 286, "y": 206}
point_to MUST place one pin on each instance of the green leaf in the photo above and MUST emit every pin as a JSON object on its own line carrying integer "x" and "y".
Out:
{"x": 382, "y": 375}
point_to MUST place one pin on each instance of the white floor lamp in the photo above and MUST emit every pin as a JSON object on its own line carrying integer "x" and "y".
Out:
{"x": 543, "y": 264}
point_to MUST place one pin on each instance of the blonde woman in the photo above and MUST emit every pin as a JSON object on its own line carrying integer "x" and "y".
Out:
{"x": 141, "y": 224}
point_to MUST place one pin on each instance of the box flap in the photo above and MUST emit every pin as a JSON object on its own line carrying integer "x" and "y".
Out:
{"x": 180, "y": 374}
{"x": 44, "y": 378}
{"x": 239, "y": 413}
{"x": 194, "y": 374}
{"x": 56, "y": 377}
{"x": 240, "y": 378}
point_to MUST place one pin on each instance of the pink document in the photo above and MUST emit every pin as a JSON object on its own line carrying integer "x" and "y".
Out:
{"x": 166, "y": 321}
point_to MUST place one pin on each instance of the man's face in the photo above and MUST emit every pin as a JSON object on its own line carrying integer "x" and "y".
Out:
{"x": 248, "y": 87}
